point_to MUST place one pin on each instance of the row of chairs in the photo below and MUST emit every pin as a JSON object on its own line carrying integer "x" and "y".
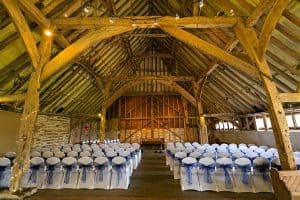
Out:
{"x": 111, "y": 170}
{"x": 228, "y": 163}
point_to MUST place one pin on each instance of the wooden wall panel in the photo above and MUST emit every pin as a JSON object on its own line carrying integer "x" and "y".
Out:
{"x": 151, "y": 117}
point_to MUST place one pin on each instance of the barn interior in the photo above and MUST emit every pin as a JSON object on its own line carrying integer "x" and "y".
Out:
{"x": 151, "y": 73}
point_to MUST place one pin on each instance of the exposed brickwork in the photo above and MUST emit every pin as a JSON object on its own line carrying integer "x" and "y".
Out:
{"x": 51, "y": 130}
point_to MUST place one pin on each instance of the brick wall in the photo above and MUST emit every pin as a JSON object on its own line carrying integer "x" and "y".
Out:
{"x": 51, "y": 129}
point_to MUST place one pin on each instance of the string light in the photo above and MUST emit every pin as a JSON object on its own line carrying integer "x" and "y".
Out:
{"x": 134, "y": 23}
{"x": 86, "y": 9}
{"x": 111, "y": 19}
{"x": 177, "y": 16}
{"x": 99, "y": 115}
{"x": 155, "y": 23}
{"x": 48, "y": 32}
{"x": 65, "y": 15}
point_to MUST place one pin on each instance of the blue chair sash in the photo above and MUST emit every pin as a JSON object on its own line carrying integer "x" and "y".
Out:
{"x": 188, "y": 168}
{"x": 68, "y": 169}
{"x": 2, "y": 170}
{"x": 99, "y": 172}
{"x": 85, "y": 169}
{"x": 263, "y": 169}
{"x": 207, "y": 172}
{"x": 33, "y": 174}
{"x": 118, "y": 169}
{"x": 50, "y": 169}
{"x": 245, "y": 177}
{"x": 226, "y": 168}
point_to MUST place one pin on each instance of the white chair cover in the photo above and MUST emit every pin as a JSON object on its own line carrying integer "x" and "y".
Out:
{"x": 189, "y": 174}
{"x": 269, "y": 156}
{"x": 10, "y": 155}
{"x": 129, "y": 164}
{"x": 73, "y": 154}
{"x": 261, "y": 175}
{"x": 177, "y": 163}
{"x": 242, "y": 175}
{"x": 54, "y": 174}
{"x": 85, "y": 154}
{"x": 223, "y": 175}
{"x": 59, "y": 154}
{"x": 102, "y": 173}
{"x": 196, "y": 154}
{"x": 36, "y": 174}
{"x": 70, "y": 173}
{"x": 35, "y": 154}
{"x": 97, "y": 154}
{"x": 119, "y": 178}
{"x": 86, "y": 173}
{"x": 47, "y": 154}
{"x": 5, "y": 172}
{"x": 206, "y": 174}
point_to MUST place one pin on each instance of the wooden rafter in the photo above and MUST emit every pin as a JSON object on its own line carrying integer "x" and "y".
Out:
{"x": 145, "y": 78}
{"x": 79, "y": 46}
{"x": 23, "y": 29}
{"x": 12, "y": 98}
{"x": 250, "y": 42}
{"x": 289, "y": 97}
{"x": 145, "y": 22}
{"x": 269, "y": 25}
{"x": 212, "y": 50}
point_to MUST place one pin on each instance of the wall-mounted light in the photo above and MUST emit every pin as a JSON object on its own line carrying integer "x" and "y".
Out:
{"x": 86, "y": 8}
{"x": 177, "y": 16}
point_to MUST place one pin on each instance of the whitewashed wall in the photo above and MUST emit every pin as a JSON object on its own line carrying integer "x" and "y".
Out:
{"x": 254, "y": 137}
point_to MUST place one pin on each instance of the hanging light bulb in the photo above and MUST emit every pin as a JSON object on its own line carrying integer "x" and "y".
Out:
{"x": 177, "y": 16}
{"x": 201, "y": 3}
{"x": 65, "y": 15}
{"x": 155, "y": 23}
{"x": 48, "y": 32}
{"x": 111, "y": 19}
{"x": 86, "y": 8}
{"x": 134, "y": 23}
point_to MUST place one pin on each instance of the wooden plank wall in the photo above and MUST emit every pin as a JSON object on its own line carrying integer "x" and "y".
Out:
{"x": 150, "y": 117}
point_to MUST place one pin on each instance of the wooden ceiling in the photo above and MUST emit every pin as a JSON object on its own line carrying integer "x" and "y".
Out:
{"x": 78, "y": 86}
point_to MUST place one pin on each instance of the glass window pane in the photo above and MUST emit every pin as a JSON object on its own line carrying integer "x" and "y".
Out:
{"x": 269, "y": 123}
{"x": 297, "y": 118}
{"x": 259, "y": 124}
{"x": 221, "y": 125}
{"x": 230, "y": 125}
{"x": 225, "y": 126}
{"x": 289, "y": 120}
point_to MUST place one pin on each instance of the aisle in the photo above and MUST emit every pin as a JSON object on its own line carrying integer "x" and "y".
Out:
{"x": 152, "y": 180}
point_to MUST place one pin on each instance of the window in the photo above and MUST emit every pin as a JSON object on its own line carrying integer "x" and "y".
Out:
{"x": 221, "y": 125}
{"x": 225, "y": 125}
{"x": 269, "y": 125}
{"x": 289, "y": 120}
{"x": 260, "y": 124}
{"x": 217, "y": 126}
{"x": 297, "y": 119}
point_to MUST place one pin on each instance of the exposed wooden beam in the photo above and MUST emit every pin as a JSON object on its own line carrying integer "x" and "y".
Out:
{"x": 145, "y": 78}
{"x": 12, "y": 98}
{"x": 34, "y": 13}
{"x": 250, "y": 42}
{"x": 106, "y": 95}
{"x": 23, "y": 29}
{"x": 212, "y": 50}
{"x": 195, "y": 8}
{"x": 262, "y": 7}
{"x": 145, "y": 22}
{"x": 28, "y": 119}
{"x": 269, "y": 26}
{"x": 289, "y": 97}
{"x": 69, "y": 53}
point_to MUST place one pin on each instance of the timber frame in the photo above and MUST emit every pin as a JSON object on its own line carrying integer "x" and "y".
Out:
{"x": 254, "y": 67}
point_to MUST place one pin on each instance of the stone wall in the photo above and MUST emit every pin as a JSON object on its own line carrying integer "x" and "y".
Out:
{"x": 51, "y": 130}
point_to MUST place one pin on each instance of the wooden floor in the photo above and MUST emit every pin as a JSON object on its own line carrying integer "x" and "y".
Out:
{"x": 152, "y": 180}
